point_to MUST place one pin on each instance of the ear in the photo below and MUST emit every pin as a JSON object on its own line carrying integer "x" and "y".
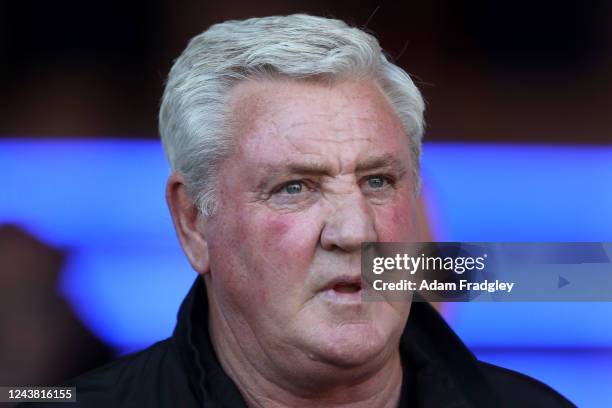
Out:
{"x": 189, "y": 223}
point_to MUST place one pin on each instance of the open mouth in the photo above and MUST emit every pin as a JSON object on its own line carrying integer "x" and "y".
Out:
{"x": 347, "y": 287}
{"x": 344, "y": 291}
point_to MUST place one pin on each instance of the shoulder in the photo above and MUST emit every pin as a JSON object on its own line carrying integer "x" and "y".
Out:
{"x": 519, "y": 390}
{"x": 152, "y": 378}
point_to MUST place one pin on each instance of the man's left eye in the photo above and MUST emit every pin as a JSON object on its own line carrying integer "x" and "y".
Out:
{"x": 376, "y": 182}
{"x": 293, "y": 187}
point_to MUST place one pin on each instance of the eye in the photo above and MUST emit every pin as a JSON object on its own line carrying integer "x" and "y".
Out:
{"x": 376, "y": 182}
{"x": 293, "y": 187}
{"x": 294, "y": 194}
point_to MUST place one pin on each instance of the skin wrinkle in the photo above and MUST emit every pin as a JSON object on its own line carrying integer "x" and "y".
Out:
{"x": 227, "y": 326}
{"x": 383, "y": 163}
{"x": 263, "y": 400}
{"x": 387, "y": 162}
{"x": 271, "y": 253}
{"x": 251, "y": 366}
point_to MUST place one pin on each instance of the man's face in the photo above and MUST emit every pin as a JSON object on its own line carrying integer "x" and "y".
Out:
{"x": 316, "y": 170}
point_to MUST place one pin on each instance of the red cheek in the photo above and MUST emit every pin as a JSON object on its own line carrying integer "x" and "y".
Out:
{"x": 399, "y": 218}
{"x": 396, "y": 225}
{"x": 277, "y": 228}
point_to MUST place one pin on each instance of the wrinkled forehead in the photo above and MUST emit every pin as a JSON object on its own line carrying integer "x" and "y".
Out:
{"x": 346, "y": 121}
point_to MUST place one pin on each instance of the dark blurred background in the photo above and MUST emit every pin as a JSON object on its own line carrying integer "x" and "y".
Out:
{"x": 492, "y": 72}
{"x": 532, "y": 71}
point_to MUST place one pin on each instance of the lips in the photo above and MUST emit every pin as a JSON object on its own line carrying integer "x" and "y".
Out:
{"x": 347, "y": 288}
{"x": 344, "y": 284}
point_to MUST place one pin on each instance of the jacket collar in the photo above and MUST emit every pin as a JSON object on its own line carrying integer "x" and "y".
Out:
{"x": 447, "y": 373}
{"x": 439, "y": 370}
{"x": 207, "y": 379}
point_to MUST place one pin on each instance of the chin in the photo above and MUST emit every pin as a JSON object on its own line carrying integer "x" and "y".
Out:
{"x": 352, "y": 344}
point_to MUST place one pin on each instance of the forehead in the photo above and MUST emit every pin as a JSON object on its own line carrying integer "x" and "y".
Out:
{"x": 275, "y": 120}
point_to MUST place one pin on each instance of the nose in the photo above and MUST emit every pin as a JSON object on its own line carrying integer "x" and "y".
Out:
{"x": 350, "y": 223}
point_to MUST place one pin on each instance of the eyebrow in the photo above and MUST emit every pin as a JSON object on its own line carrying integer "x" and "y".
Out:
{"x": 386, "y": 161}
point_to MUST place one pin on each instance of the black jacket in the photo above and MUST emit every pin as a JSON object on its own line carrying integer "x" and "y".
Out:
{"x": 183, "y": 371}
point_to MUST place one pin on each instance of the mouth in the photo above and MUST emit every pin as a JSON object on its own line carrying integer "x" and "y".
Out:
{"x": 347, "y": 287}
{"x": 344, "y": 290}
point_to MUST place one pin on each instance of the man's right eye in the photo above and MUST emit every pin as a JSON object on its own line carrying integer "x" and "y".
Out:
{"x": 294, "y": 194}
{"x": 292, "y": 188}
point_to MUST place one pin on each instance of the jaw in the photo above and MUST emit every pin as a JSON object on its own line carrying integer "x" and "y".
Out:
{"x": 343, "y": 335}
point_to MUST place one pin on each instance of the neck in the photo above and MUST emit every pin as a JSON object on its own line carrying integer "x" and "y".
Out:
{"x": 264, "y": 384}
{"x": 379, "y": 391}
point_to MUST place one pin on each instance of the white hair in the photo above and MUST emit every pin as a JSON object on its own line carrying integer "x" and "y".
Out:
{"x": 194, "y": 120}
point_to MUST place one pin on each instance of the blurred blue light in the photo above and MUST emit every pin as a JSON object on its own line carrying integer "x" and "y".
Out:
{"x": 86, "y": 193}
{"x": 128, "y": 296}
{"x": 514, "y": 324}
{"x": 520, "y": 193}
{"x": 577, "y": 374}
{"x": 517, "y": 193}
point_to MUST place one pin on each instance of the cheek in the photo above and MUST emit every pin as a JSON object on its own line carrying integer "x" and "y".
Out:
{"x": 293, "y": 238}
{"x": 396, "y": 223}
{"x": 281, "y": 252}
{"x": 275, "y": 250}
{"x": 277, "y": 228}
{"x": 242, "y": 262}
